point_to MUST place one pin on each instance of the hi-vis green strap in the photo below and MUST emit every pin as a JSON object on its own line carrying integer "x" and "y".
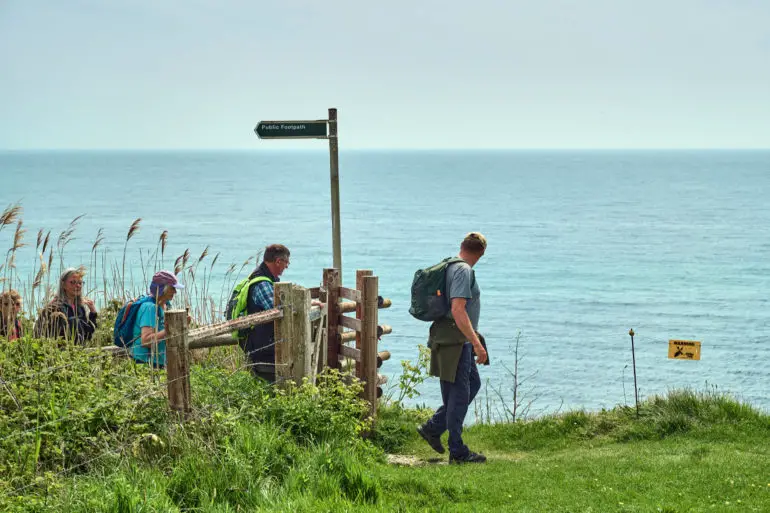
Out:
{"x": 243, "y": 298}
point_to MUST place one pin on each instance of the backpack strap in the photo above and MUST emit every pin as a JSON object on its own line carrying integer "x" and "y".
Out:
{"x": 256, "y": 280}
{"x": 133, "y": 303}
{"x": 244, "y": 298}
{"x": 245, "y": 293}
{"x": 458, "y": 260}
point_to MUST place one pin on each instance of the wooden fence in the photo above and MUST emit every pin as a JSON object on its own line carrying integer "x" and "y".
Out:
{"x": 307, "y": 338}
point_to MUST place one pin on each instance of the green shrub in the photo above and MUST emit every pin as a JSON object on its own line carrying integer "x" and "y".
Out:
{"x": 62, "y": 406}
{"x": 329, "y": 410}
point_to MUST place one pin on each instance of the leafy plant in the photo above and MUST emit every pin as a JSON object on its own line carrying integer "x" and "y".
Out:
{"x": 412, "y": 376}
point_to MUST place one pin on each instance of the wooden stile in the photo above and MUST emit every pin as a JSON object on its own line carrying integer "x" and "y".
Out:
{"x": 296, "y": 354}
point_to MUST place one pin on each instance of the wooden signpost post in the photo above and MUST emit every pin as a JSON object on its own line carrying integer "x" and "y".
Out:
{"x": 316, "y": 129}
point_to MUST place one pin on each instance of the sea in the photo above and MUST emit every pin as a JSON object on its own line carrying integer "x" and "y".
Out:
{"x": 583, "y": 247}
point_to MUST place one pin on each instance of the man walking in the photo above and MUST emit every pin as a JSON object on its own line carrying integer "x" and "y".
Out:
{"x": 453, "y": 341}
{"x": 259, "y": 345}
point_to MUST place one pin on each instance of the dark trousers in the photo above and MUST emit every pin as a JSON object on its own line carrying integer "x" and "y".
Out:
{"x": 456, "y": 397}
{"x": 259, "y": 348}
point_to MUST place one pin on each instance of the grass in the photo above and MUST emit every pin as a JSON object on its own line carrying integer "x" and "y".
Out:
{"x": 249, "y": 448}
{"x": 677, "y": 475}
{"x": 79, "y": 441}
{"x": 686, "y": 452}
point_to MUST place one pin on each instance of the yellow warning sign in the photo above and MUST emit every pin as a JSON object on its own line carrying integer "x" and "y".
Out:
{"x": 684, "y": 349}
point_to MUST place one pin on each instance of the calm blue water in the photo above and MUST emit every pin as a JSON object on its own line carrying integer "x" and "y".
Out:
{"x": 582, "y": 247}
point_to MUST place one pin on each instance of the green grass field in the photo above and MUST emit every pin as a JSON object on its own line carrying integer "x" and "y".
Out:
{"x": 685, "y": 453}
{"x": 79, "y": 434}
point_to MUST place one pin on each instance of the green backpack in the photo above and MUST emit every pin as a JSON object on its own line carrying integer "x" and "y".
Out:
{"x": 429, "y": 295}
{"x": 236, "y": 306}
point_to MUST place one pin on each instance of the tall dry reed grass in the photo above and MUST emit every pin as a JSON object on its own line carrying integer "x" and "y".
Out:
{"x": 111, "y": 281}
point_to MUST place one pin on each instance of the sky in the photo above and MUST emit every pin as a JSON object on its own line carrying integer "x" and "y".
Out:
{"x": 581, "y": 74}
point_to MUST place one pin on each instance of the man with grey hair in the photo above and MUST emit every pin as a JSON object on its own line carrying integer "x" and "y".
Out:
{"x": 259, "y": 343}
{"x": 453, "y": 341}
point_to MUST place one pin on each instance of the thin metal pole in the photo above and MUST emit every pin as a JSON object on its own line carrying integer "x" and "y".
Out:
{"x": 633, "y": 359}
{"x": 334, "y": 170}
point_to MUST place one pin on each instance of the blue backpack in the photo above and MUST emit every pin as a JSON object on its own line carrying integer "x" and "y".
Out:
{"x": 123, "y": 334}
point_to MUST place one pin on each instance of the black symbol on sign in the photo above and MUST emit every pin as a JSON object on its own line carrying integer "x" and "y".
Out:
{"x": 680, "y": 352}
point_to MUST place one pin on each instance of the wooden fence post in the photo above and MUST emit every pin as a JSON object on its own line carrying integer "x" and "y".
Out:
{"x": 369, "y": 293}
{"x": 283, "y": 333}
{"x": 177, "y": 361}
{"x": 360, "y": 274}
{"x": 302, "y": 340}
{"x": 332, "y": 285}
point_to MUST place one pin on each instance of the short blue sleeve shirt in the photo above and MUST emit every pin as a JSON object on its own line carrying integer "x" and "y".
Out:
{"x": 149, "y": 315}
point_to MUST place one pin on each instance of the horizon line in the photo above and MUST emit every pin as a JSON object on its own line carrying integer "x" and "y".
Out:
{"x": 311, "y": 149}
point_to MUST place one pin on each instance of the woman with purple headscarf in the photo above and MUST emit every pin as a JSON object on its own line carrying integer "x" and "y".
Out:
{"x": 149, "y": 330}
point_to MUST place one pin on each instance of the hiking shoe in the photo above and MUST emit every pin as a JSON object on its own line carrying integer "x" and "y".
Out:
{"x": 433, "y": 441}
{"x": 471, "y": 457}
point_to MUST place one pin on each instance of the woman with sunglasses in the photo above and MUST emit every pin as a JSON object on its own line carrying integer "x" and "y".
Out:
{"x": 68, "y": 315}
{"x": 10, "y": 307}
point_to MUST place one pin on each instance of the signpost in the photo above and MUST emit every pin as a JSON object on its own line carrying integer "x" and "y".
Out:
{"x": 684, "y": 349}
{"x": 291, "y": 129}
{"x": 314, "y": 130}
